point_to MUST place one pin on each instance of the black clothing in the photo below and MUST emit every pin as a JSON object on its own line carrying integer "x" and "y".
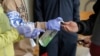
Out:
{"x": 92, "y": 25}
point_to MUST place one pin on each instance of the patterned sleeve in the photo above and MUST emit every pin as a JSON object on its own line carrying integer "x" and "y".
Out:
{"x": 14, "y": 18}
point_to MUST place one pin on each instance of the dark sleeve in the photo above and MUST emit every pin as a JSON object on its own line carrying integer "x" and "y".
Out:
{"x": 76, "y": 4}
{"x": 86, "y": 26}
{"x": 38, "y": 10}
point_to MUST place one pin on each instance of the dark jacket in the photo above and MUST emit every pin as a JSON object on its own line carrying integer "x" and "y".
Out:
{"x": 45, "y": 10}
{"x": 92, "y": 25}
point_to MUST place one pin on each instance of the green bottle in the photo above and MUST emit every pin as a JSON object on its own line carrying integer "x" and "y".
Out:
{"x": 46, "y": 38}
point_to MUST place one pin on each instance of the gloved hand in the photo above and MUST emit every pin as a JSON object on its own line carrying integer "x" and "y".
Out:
{"x": 28, "y": 33}
{"x": 36, "y": 32}
{"x": 54, "y": 24}
{"x": 24, "y": 30}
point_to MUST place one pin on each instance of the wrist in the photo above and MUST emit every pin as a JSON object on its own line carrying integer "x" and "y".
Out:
{"x": 79, "y": 27}
{"x": 41, "y": 25}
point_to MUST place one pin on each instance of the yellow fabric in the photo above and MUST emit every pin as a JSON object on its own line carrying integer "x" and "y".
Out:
{"x": 8, "y": 36}
{"x": 4, "y": 22}
{"x": 6, "y": 42}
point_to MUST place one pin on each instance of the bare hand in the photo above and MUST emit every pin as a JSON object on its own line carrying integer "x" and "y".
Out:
{"x": 87, "y": 41}
{"x": 70, "y": 26}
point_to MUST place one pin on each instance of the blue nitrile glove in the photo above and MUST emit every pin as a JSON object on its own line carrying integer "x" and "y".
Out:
{"x": 14, "y": 18}
{"x": 54, "y": 24}
{"x": 28, "y": 33}
{"x": 36, "y": 32}
{"x": 24, "y": 30}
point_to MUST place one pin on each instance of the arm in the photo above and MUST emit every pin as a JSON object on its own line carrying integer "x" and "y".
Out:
{"x": 86, "y": 26}
{"x": 24, "y": 28}
{"x": 9, "y": 5}
{"x": 83, "y": 27}
{"x": 15, "y": 18}
{"x": 76, "y": 4}
{"x": 8, "y": 37}
{"x": 38, "y": 14}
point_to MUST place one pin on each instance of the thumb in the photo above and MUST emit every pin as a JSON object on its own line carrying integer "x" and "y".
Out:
{"x": 69, "y": 22}
{"x": 65, "y": 23}
{"x": 60, "y": 19}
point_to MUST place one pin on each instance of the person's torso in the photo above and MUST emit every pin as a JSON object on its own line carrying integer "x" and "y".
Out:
{"x": 57, "y": 8}
{"x": 52, "y": 9}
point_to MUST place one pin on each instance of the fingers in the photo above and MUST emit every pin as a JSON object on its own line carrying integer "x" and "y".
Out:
{"x": 87, "y": 41}
{"x": 36, "y": 32}
{"x": 60, "y": 19}
{"x": 65, "y": 28}
{"x": 66, "y": 23}
{"x": 87, "y": 44}
{"x": 70, "y": 26}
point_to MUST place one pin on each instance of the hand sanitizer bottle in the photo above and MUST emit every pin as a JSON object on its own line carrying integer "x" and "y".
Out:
{"x": 46, "y": 38}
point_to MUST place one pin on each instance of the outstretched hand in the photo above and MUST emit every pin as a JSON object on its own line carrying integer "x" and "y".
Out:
{"x": 70, "y": 26}
{"x": 54, "y": 24}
